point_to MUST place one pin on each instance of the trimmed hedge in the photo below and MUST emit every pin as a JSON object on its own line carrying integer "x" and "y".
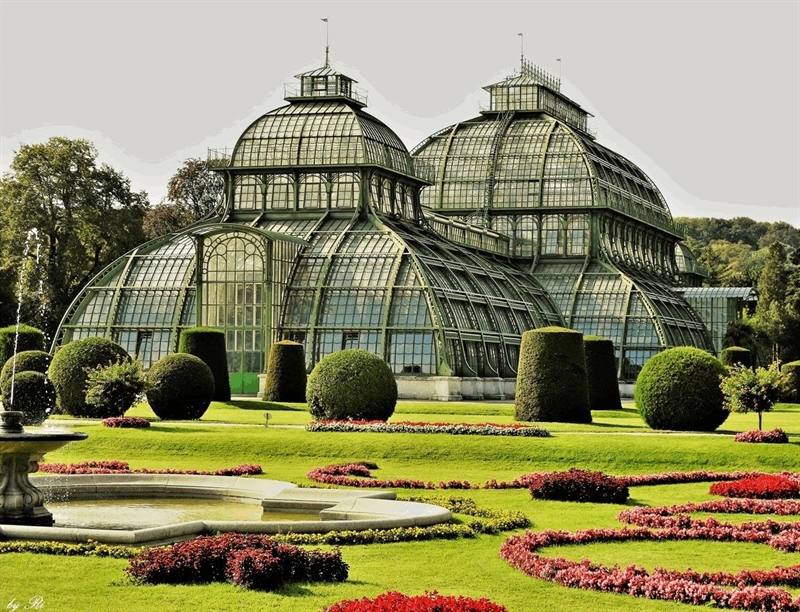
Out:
{"x": 286, "y": 373}
{"x": 69, "y": 371}
{"x": 552, "y": 384}
{"x": 736, "y": 355}
{"x": 27, "y": 361}
{"x": 791, "y": 371}
{"x": 208, "y": 344}
{"x": 679, "y": 389}
{"x": 179, "y": 387}
{"x": 30, "y": 339}
{"x": 601, "y": 373}
{"x": 351, "y": 384}
{"x": 34, "y": 396}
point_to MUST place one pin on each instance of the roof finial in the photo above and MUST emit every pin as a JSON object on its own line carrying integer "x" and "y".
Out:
{"x": 327, "y": 62}
{"x": 521, "y": 51}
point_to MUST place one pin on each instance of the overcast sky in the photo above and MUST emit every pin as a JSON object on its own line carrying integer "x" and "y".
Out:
{"x": 703, "y": 96}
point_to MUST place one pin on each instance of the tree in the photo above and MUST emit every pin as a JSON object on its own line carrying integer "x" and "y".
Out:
{"x": 776, "y": 310}
{"x": 165, "y": 218}
{"x": 85, "y": 215}
{"x": 195, "y": 187}
{"x": 747, "y": 390}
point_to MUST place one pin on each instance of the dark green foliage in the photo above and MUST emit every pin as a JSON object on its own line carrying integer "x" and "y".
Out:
{"x": 601, "y": 372}
{"x": 679, "y": 389}
{"x": 552, "y": 384}
{"x": 736, "y": 355}
{"x": 27, "y": 361}
{"x": 30, "y": 339}
{"x": 208, "y": 344}
{"x": 351, "y": 384}
{"x": 112, "y": 390}
{"x": 286, "y": 373}
{"x": 70, "y": 368}
{"x": 179, "y": 387}
{"x": 791, "y": 372}
{"x": 33, "y": 395}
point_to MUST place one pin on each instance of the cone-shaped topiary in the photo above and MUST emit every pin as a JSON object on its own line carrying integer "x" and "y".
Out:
{"x": 286, "y": 373}
{"x": 70, "y": 368}
{"x": 679, "y": 389}
{"x": 736, "y": 354}
{"x": 179, "y": 387}
{"x": 601, "y": 372}
{"x": 34, "y": 396}
{"x": 791, "y": 372}
{"x": 208, "y": 344}
{"x": 551, "y": 378}
{"x": 27, "y": 361}
{"x": 30, "y": 339}
{"x": 351, "y": 384}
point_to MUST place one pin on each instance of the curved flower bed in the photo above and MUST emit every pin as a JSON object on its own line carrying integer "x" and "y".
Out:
{"x": 430, "y": 601}
{"x": 126, "y": 422}
{"x": 766, "y": 486}
{"x": 121, "y": 467}
{"x": 774, "y": 436}
{"x": 477, "y": 429}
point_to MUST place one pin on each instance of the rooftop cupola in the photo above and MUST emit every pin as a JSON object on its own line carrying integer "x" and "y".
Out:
{"x": 327, "y": 84}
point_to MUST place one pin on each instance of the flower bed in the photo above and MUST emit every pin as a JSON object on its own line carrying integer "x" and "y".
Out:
{"x": 127, "y": 422}
{"x": 121, "y": 467}
{"x": 766, "y": 486}
{"x": 479, "y": 429}
{"x": 252, "y": 561}
{"x": 430, "y": 601}
{"x": 578, "y": 486}
{"x": 774, "y": 436}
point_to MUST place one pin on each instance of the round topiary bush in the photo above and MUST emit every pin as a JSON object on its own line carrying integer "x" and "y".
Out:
{"x": 179, "y": 387}
{"x": 352, "y": 384}
{"x": 791, "y": 372}
{"x": 27, "y": 361}
{"x": 679, "y": 389}
{"x": 736, "y": 355}
{"x": 208, "y": 344}
{"x": 551, "y": 379}
{"x": 34, "y": 396}
{"x": 30, "y": 339}
{"x": 70, "y": 368}
{"x": 286, "y": 373}
{"x": 601, "y": 373}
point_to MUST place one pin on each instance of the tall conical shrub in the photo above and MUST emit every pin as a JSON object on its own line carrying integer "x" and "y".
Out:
{"x": 551, "y": 379}
{"x": 208, "y": 344}
{"x": 601, "y": 372}
{"x": 286, "y": 373}
{"x": 791, "y": 372}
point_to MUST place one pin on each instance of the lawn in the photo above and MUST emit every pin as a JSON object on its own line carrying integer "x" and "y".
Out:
{"x": 233, "y": 433}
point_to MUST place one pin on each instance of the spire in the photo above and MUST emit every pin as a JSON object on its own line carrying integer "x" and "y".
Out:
{"x": 327, "y": 32}
{"x": 521, "y": 51}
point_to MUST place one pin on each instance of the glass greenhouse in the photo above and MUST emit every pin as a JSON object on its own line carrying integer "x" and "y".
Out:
{"x": 332, "y": 234}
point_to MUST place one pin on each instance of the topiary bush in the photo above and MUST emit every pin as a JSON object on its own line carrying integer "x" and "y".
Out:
{"x": 286, "y": 373}
{"x": 791, "y": 373}
{"x": 30, "y": 339}
{"x": 601, "y": 373}
{"x": 111, "y": 390}
{"x": 351, "y": 384}
{"x": 734, "y": 355}
{"x": 679, "y": 389}
{"x": 552, "y": 384}
{"x": 27, "y": 361}
{"x": 208, "y": 344}
{"x": 179, "y": 386}
{"x": 70, "y": 367}
{"x": 34, "y": 396}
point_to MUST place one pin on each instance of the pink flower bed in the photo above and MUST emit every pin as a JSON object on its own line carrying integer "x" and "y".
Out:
{"x": 480, "y": 429}
{"x": 774, "y": 436}
{"x": 766, "y": 486}
{"x": 429, "y": 602}
{"x": 128, "y": 422}
{"x": 579, "y": 486}
{"x": 121, "y": 467}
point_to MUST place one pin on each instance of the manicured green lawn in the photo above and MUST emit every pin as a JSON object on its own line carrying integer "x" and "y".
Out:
{"x": 617, "y": 443}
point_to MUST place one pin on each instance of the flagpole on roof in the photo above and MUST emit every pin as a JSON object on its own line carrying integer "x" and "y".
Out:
{"x": 327, "y": 31}
{"x": 521, "y": 51}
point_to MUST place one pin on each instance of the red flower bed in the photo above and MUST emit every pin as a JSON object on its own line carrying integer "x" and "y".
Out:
{"x": 766, "y": 486}
{"x": 252, "y": 561}
{"x": 774, "y": 436}
{"x": 121, "y": 467}
{"x": 429, "y": 602}
{"x": 128, "y": 422}
{"x": 579, "y": 486}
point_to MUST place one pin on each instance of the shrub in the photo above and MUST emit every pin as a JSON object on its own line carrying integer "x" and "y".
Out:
{"x": 113, "y": 389}
{"x": 208, "y": 344}
{"x": 30, "y": 339}
{"x": 747, "y": 390}
{"x": 679, "y": 389}
{"x": 34, "y": 396}
{"x": 429, "y": 602}
{"x": 601, "y": 373}
{"x": 791, "y": 371}
{"x": 579, "y": 486}
{"x": 286, "y": 373}
{"x": 126, "y": 422}
{"x": 774, "y": 436}
{"x": 70, "y": 368}
{"x": 551, "y": 379}
{"x": 351, "y": 384}
{"x": 734, "y": 355}
{"x": 766, "y": 486}
{"x": 179, "y": 386}
{"x": 27, "y": 361}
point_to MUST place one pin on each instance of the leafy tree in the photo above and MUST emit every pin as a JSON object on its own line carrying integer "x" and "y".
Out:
{"x": 86, "y": 216}
{"x": 195, "y": 187}
{"x": 164, "y": 218}
{"x": 747, "y": 390}
{"x": 776, "y": 310}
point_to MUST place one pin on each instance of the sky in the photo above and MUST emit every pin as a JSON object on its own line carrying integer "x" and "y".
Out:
{"x": 703, "y": 96}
